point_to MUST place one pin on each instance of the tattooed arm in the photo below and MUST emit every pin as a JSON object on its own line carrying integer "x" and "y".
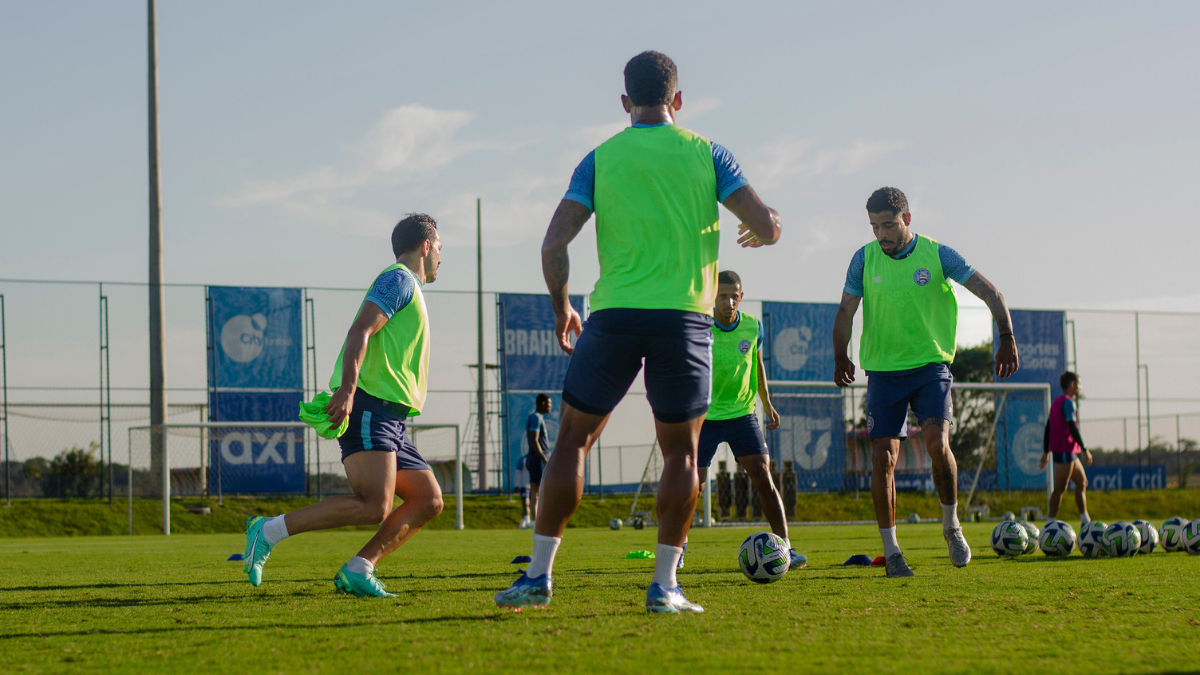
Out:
{"x": 1007, "y": 360}
{"x": 568, "y": 220}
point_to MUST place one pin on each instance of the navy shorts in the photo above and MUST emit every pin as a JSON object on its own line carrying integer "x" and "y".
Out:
{"x": 890, "y": 394}
{"x": 675, "y": 345}
{"x": 1065, "y": 457}
{"x": 376, "y": 424}
{"x": 533, "y": 464}
{"x": 743, "y": 435}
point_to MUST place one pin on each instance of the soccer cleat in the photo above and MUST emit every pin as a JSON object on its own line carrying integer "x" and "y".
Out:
{"x": 526, "y": 592}
{"x": 360, "y": 585}
{"x": 257, "y": 549}
{"x": 661, "y": 600}
{"x": 679, "y": 566}
{"x": 798, "y": 562}
{"x": 897, "y": 566}
{"x": 524, "y": 524}
{"x": 960, "y": 551}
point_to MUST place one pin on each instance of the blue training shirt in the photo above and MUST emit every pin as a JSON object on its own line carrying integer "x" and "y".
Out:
{"x": 953, "y": 266}
{"x": 729, "y": 174}
{"x": 537, "y": 423}
{"x": 392, "y": 291}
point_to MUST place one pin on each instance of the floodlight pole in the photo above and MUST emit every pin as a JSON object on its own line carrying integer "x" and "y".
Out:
{"x": 481, "y": 402}
{"x": 158, "y": 374}
{"x": 4, "y": 392}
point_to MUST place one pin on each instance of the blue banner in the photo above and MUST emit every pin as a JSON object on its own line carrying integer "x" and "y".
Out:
{"x": 812, "y": 435}
{"x": 1019, "y": 442}
{"x": 531, "y": 363}
{"x": 1152, "y": 477}
{"x": 256, "y": 374}
{"x": 797, "y": 340}
{"x": 1041, "y": 345}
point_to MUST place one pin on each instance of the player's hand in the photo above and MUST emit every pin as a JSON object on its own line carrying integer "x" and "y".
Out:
{"x": 1043, "y": 460}
{"x": 1087, "y": 457}
{"x": 340, "y": 405}
{"x": 843, "y": 371}
{"x": 1007, "y": 360}
{"x": 564, "y": 325}
{"x": 772, "y": 417}
{"x": 747, "y": 238}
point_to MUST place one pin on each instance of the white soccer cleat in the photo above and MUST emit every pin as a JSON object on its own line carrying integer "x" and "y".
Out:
{"x": 960, "y": 551}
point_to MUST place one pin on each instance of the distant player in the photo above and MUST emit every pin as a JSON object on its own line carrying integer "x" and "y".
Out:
{"x": 539, "y": 448}
{"x": 654, "y": 188}
{"x": 910, "y": 324}
{"x": 521, "y": 483}
{"x": 1063, "y": 440}
{"x": 738, "y": 374}
{"x": 379, "y": 381}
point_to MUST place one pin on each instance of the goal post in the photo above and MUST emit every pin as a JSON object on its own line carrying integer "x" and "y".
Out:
{"x": 849, "y": 396}
{"x": 186, "y": 468}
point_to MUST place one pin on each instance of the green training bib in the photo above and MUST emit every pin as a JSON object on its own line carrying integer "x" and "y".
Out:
{"x": 734, "y": 370}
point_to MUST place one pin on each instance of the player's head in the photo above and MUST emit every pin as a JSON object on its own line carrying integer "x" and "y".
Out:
{"x": 888, "y": 210}
{"x": 543, "y": 403}
{"x": 417, "y": 234}
{"x": 1069, "y": 382}
{"x": 729, "y": 296}
{"x": 651, "y": 81}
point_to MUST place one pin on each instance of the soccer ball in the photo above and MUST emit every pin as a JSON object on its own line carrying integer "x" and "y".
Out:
{"x": 1149, "y": 535}
{"x": 1057, "y": 539}
{"x": 763, "y": 558}
{"x": 1091, "y": 540}
{"x": 1171, "y": 533}
{"x": 1034, "y": 533}
{"x": 615, "y": 524}
{"x": 1009, "y": 538}
{"x": 1122, "y": 539}
{"x": 1007, "y": 515}
{"x": 1191, "y": 537}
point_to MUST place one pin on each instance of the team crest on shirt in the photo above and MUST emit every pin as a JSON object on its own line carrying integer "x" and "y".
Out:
{"x": 744, "y": 346}
{"x": 922, "y": 276}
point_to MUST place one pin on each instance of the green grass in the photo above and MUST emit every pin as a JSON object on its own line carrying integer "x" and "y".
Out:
{"x": 156, "y": 604}
{"x": 54, "y": 517}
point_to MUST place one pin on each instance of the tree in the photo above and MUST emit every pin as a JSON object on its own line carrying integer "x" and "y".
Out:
{"x": 79, "y": 466}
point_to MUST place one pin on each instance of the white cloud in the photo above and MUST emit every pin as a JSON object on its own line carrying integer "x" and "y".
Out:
{"x": 696, "y": 108}
{"x": 796, "y": 159}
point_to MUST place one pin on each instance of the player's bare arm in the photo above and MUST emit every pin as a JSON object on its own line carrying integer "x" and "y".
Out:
{"x": 568, "y": 220}
{"x": 370, "y": 321}
{"x": 531, "y": 437}
{"x": 843, "y": 326}
{"x": 760, "y": 224}
{"x": 1007, "y": 360}
{"x": 764, "y": 395}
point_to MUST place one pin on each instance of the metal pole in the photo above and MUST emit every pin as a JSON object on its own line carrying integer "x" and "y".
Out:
{"x": 481, "y": 402}
{"x": 1137, "y": 350}
{"x": 100, "y": 384}
{"x": 1149, "y": 434}
{"x": 600, "y": 466}
{"x": 4, "y": 386}
{"x": 158, "y": 373}
{"x": 707, "y": 500}
{"x": 130, "y": 485}
{"x": 166, "y": 481}
{"x": 458, "y": 481}
{"x": 108, "y": 398}
{"x": 1050, "y": 465}
{"x": 1178, "y": 453}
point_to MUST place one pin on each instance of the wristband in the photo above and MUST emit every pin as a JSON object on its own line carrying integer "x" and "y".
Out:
{"x": 1009, "y": 335}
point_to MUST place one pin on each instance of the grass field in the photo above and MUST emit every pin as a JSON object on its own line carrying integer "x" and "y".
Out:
{"x": 153, "y": 604}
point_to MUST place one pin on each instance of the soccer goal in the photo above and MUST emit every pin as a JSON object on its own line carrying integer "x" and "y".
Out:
{"x": 222, "y": 458}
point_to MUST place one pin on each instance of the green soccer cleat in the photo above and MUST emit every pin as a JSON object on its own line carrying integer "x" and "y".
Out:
{"x": 257, "y": 549}
{"x": 360, "y": 585}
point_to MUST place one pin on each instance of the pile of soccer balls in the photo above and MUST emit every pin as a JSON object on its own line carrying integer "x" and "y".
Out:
{"x": 1096, "y": 539}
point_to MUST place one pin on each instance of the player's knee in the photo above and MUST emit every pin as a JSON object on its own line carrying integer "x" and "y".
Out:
{"x": 376, "y": 512}
{"x": 884, "y": 461}
{"x": 435, "y": 507}
{"x": 1081, "y": 484}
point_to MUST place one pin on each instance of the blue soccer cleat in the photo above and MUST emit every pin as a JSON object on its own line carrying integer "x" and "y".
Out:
{"x": 360, "y": 585}
{"x": 661, "y": 600}
{"x": 257, "y": 549}
{"x": 526, "y": 592}
{"x": 799, "y": 562}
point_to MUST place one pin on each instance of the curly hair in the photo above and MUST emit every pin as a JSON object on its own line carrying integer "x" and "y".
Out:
{"x": 412, "y": 231}
{"x": 651, "y": 79}
{"x": 887, "y": 199}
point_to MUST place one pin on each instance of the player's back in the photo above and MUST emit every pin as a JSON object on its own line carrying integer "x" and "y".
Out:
{"x": 657, "y": 224}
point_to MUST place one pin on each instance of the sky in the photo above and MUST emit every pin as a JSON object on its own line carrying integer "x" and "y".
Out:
{"x": 1053, "y": 146}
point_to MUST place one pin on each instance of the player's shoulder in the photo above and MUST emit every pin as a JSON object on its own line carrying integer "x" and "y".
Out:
{"x": 749, "y": 318}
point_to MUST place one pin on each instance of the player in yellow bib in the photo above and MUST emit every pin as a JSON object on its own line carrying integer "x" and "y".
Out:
{"x": 738, "y": 378}
{"x": 379, "y": 381}
{"x": 910, "y": 324}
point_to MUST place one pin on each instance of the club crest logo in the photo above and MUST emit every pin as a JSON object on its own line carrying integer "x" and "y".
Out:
{"x": 921, "y": 276}
{"x": 870, "y": 423}
{"x": 744, "y": 346}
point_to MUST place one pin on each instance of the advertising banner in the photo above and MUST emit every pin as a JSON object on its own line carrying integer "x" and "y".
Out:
{"x": 811, "y": 434}
{"x": 531, "y": 363}
{"x": 798, "y": 346}
{"x": 1042, "y": 346}
{"x": 256, "y": 374}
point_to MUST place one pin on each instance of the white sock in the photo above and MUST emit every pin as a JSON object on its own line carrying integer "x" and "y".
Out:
{"x": 275, "y": 530}
{"x": 666, "y": 559}
{"x": 357, "y": 565}
{"x": 1084, "y": 519}
{"x": 949, "y": 516}
{"x": 890, "y": 547}
{"x": 544, "y": 550}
